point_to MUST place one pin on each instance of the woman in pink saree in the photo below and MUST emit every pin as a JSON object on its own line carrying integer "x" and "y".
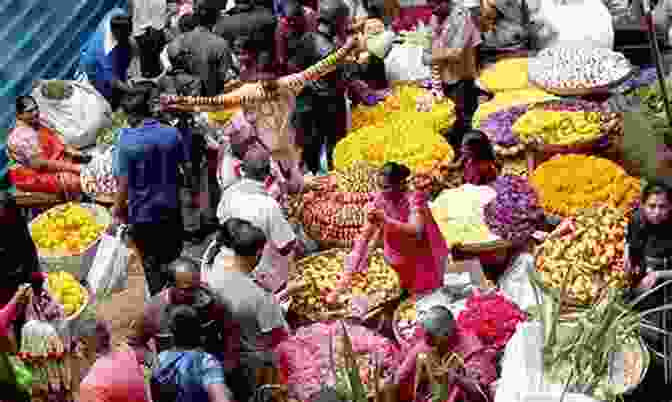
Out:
{"x": 446, "y": 364}
{"x": 413, "y": 244}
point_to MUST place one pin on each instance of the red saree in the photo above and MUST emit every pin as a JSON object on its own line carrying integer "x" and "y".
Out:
{"x": 31, "y": 180}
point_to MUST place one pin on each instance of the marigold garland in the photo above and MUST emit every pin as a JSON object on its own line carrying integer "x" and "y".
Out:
{"x": 569, "y": 183}
{"x": 405, "y": 136}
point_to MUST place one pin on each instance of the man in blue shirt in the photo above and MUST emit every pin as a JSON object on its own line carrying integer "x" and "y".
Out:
{"x": 147, "y": 168}
{"x": 105, "y": 59}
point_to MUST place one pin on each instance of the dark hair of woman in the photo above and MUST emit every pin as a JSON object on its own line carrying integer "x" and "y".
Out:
{"x": 121, "y": 27}
{"x": 25, "y": 103}
{"x": 639, "y": 230}
{"x": 245, "y": 239}
{"x": 257, "y": 169}
{"x": 185, "y": 325}
{"x": 395, "y": 173}
{"x": 187, "y": 23}
{"x": 480, "y": 145}
{"x": 206, "y": 17}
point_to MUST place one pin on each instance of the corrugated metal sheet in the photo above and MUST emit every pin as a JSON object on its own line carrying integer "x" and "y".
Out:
{"x": 41, "y": 40}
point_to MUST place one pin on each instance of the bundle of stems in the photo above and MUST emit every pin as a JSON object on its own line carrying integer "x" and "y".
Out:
{"x": 356, "y": 390}
{"x": 594, "y": 338}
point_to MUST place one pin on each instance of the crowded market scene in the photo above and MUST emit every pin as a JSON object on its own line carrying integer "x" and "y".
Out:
{"x": 484, "y": 216}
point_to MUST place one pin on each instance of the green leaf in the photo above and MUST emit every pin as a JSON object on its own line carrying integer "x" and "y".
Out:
{"x": 358, "y": 390}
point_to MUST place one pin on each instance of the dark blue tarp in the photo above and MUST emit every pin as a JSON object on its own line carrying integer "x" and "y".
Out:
{"x": 41, "y": 40}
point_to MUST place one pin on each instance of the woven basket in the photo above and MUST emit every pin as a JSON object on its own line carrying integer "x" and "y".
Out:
{"x": 74, "y": 316}
{"x": 604, "y": 89}
{"x": 72, "y": 263}
{"x": 610, "y": 133}
{"x": 296, "y": 273}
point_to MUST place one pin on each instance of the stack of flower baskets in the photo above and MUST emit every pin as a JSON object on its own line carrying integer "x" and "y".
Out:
{"x": 567, "y": 126}
{"x": 334, "y": 214}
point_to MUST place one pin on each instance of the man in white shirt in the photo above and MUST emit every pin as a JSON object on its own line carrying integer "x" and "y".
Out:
{"x": 248, "y": 199}
{"x": 149, "y": 20}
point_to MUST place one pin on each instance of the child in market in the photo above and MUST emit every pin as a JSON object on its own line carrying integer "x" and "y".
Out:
{"x": 478, "y": 159}
{"x": 453, "y": 55}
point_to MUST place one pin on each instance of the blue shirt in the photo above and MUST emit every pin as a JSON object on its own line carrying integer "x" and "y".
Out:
{"x": 150, "y": 157}
{"x": 191, "y": 371}
{"x": 100, "y": 68}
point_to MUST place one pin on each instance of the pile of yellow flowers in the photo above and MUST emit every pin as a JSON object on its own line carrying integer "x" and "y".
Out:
{"x": 405, "y": 136}
{"x": 592, "y": 255}
{"x": 557, "y": 127}
{"x": 67, "y": 291}
{"x": 363, "y": 116}
{"x": 507, "y": 99}
{"x": 69, "y": 228}
{"x": 506, "y": 75}
{"x": 567, "y": 184}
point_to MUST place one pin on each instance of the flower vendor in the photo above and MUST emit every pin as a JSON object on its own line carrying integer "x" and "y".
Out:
{"x": 649, "y": 239}
{"x": 478, "y": 159}
{"x": 435, "y": 359}
{"x": 413, "y": 244}
{"x": 455, "y": 41}
{"x": 43, "y": 163}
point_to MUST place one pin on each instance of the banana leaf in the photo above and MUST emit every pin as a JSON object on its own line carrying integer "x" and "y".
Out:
{"x": 644, "y": 147}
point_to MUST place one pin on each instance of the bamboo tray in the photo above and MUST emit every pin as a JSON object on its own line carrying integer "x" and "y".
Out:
{"x": 320, "y": 312}
{"x": 80, "y": 310}
{"x": 602, "y": 89}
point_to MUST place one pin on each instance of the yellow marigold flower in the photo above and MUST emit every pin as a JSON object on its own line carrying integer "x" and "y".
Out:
{"x": 569, "y": 183}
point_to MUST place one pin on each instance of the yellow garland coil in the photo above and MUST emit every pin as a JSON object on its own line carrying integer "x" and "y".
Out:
{"x": 557, "y": 127}
{"x": 507, "y": 99}
{"x": 405, "y": 136}
{"x": 506, "y": 75}
{"x": 569, "y": 183}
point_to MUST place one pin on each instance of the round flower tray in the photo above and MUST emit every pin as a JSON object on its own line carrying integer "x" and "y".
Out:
{"x": 87, "y": 297}
{"x": 377, "y": 299}
{"x": 611, "y": 124}
{"x": 488, "y": 247}
{"x": 603, "y": 89}
{"x": 70, "y": 262}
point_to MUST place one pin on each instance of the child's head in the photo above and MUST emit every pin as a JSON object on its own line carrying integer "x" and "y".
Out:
{"x": 477, "y": 145}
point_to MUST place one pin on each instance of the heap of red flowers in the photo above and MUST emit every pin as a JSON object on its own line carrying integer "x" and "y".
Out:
{"x": 491, "y": 317}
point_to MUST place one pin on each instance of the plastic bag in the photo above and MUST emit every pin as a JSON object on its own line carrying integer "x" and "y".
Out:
{"x": 109, "y": 271}
{"x": 78, "y": 117}
{"x": 578, "y": 21}
{"x": 404, "y": 63}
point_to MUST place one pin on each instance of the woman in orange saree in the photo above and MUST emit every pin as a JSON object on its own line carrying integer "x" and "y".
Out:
{"x": 43, "y": 163}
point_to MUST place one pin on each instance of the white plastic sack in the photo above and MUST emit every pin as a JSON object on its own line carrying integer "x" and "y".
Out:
{"x": 404, "y": 63}
{"x": 575, "y": 21}
{"x": 77, "y": 118}
{"x": 515, "y": 282}
{"x": 109, "y": 271}
{"x": 522, "y": 380}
